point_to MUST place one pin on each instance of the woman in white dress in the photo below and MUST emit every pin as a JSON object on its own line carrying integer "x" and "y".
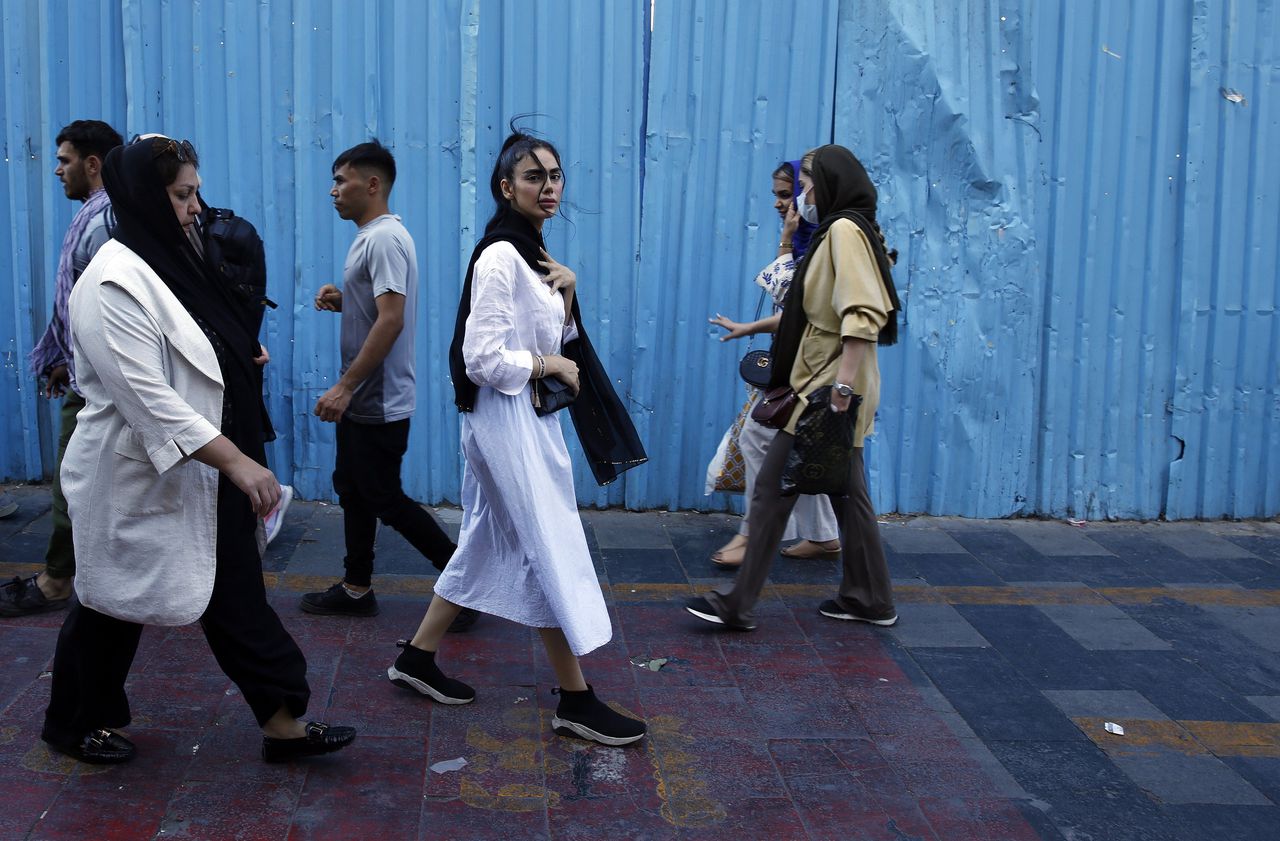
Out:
{"x": 522, "y": 554}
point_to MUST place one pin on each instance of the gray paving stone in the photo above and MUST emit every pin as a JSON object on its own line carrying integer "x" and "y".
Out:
{"x": 1195, "y": 541}
{"x": 1003, "y": 783}
{"x": 1103, "y": 628}
{"x": 1177, "y": 778}
{"x": 1269, "y": 704}
{"x": 617, "y": 530}
{"x": 920, "y": 541}
{"x": 447, "y": 515}
{"x": 1056, "y": 539}
{"x": 1260, "y": 625}
{"x": 1111, "y": 704}
{"x": 935, "y": 626}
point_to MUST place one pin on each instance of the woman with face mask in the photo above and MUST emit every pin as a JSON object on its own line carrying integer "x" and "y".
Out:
{"x": 813, "y": 520}
{"x": 164, "y": 476}
{"x": 841, "y": 304}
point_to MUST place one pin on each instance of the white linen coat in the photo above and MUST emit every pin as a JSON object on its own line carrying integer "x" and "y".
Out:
{"x": 522, "y": 553}
{"x": 143, "y": 513}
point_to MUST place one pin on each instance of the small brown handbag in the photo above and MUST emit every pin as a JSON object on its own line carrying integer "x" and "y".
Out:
{"x": 777, "y": 404}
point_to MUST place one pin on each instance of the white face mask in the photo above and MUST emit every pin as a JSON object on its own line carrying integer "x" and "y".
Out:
{"x": 808, "y": 212}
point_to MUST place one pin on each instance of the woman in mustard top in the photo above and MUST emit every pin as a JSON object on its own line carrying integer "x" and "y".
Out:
{"x": 841, "y": 304}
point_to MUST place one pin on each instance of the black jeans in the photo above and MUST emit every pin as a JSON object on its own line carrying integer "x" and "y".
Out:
{"x": 250, "y": 644}
{"x": 367, "y": 480}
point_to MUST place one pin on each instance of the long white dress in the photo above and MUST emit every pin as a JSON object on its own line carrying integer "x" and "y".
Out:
{"x": 522, "y": 554}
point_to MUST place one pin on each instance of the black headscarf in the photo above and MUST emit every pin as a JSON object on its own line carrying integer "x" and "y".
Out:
{"x": 147, "y": 224}
{"x": 604, "y": 428}
{"x": 841, "y": 190}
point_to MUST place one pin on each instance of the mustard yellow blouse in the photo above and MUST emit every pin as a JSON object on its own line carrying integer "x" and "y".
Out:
{"x": 843, "y": 296}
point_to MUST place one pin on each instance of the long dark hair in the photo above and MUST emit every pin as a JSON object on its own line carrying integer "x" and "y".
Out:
{"x": 517, "y": 145}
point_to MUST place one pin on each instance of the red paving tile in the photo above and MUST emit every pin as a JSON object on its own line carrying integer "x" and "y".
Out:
{"x": 373, "y": 789}
{"x": 103, "y": 815}
{"x": 245, "y": 810}
{"x": 28, "y": 795}
{"x": 958, "y": 819}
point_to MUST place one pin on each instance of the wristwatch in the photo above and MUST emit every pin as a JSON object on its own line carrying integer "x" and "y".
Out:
{"x": 842, "y": 390}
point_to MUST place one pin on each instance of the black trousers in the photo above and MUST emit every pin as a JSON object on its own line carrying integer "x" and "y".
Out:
{"x": 865, "y": 587}
{"x": 367, "y": 480}
{"x": 252, "y": 647}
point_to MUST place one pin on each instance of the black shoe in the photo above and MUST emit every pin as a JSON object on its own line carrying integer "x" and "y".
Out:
{"x": 320, "y": 739}
{"x": 584, "y": 715}
{"x": 98, "y": 747}
{"x": 23, "y": 597}
{"x": 417, "y": 670}
{"x": 835, "y": 611}
{"x": 337, "y": 602}
{"x": 702, "y": 609}
{"x": 464, "y": 620}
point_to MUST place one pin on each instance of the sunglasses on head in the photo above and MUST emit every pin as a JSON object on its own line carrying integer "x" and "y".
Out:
{"x": 160, "y": 145}
{"x": 181, "y": 149}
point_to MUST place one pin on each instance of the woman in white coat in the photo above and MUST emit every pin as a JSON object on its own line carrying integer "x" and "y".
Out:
{"x": 164, "y": 477}
{"x": 522, "y": 554}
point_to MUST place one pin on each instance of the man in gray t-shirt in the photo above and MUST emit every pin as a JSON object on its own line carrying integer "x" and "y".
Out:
{"x": 373, "y": 399}
{"x": 381, "y": 260}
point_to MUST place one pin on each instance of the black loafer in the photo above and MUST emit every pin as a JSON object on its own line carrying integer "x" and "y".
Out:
{"x": 98, "y": 747}
{"x": 320, "y": 739}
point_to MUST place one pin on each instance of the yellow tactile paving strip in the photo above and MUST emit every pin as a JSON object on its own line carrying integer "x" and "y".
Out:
{"x": 420, "y": 585}
{"x": 1220, "y": 738}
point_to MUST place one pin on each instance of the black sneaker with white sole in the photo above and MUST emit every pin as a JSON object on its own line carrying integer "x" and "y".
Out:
{"x": 830, "y": 609}
{"x": 701, "y": 608}
{"x": 417, "y": 670}
{"x": 585, "y": 716}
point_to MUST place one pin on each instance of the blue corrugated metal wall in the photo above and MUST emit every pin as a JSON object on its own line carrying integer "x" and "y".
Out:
{"x": 1086, "y": 217}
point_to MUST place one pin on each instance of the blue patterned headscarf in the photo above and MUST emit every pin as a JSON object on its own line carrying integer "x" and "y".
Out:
{"x": 800, "y": 240}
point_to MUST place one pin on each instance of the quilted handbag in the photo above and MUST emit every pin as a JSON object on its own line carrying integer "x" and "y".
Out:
{"x": 819, "y": 461}
{"x": 756, "y": 368}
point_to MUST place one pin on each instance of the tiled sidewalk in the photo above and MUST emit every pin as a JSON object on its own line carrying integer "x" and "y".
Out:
{"x": 982, "y": 715}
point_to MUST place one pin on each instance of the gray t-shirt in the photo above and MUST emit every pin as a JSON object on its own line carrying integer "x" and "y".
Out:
{"x": 382, "y": 259}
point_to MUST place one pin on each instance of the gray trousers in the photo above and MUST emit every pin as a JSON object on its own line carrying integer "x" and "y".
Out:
{"x": 865, "y": 588}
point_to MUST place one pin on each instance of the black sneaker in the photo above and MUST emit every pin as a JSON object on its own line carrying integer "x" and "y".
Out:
{"x": 336, "y": 601}
{"x": 831, "y": 609}
{"x": 463, "y": 621}
{"x": 702, "y": 609}
{"x": 417, "y": 670}
{"x": 584, "y": 715}
{"x": 320, "y": 739}
{"x": 23, "y": 597}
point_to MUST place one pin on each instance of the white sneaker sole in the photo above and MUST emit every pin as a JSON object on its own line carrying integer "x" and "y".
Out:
{"x": 849, "y": 617}
{"x": 399, "y": 678}
{"x": 558, "y": 724}
{"x": 716, "y": 620}
{"x": 705, "y": 617}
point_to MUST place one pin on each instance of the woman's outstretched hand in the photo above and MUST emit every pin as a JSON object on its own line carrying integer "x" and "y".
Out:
{"x": 736, "y": 330}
